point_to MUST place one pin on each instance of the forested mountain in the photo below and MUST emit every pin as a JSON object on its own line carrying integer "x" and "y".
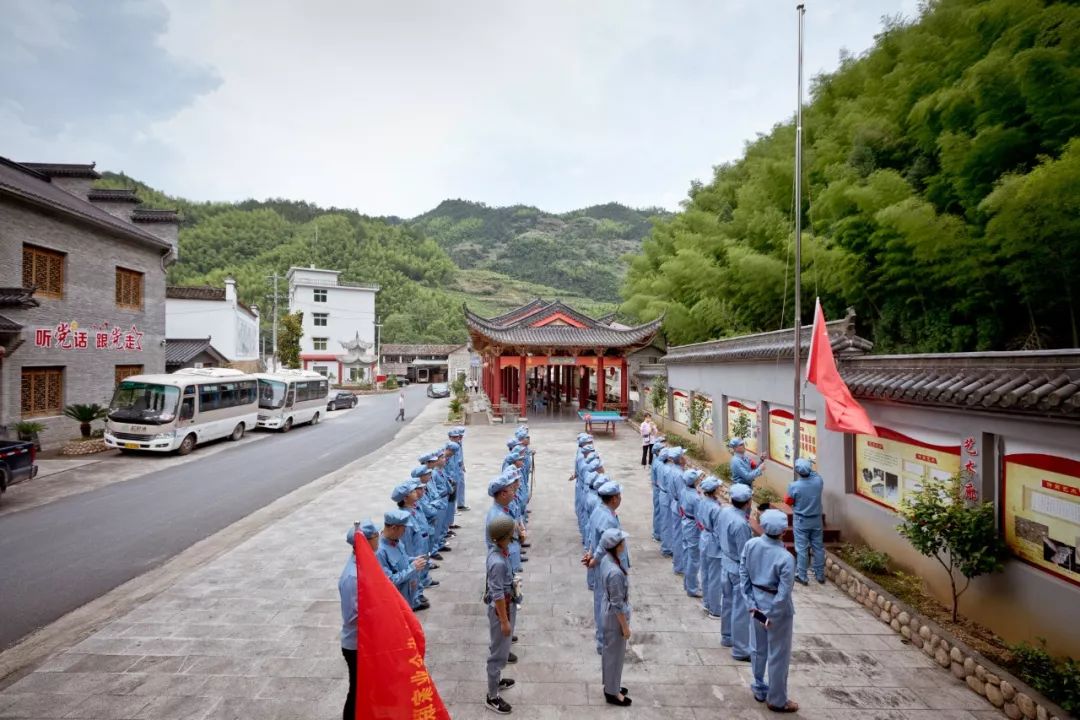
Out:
{"x": 942, "y": 195}
{"x": 422, "y": 289}
{"x": 582, "y": 250}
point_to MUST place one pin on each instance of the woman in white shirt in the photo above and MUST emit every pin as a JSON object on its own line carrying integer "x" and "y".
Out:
{"x": 648, "y": 436}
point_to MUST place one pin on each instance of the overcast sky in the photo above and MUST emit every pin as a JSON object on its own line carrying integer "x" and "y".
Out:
{"x": 393, "y": 106}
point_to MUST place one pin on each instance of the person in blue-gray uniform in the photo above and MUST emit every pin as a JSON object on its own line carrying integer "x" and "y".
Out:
{"x": 690, "y": 532}
{"x": 457, "y": 436}
{"x": 804, "y": 497}
{"x": 429, "y": 503}
{"x": 732, "y": 533}
{"x": 708, "y": 516}
{"x": 407, "y": 496}
{"x": 501, "y": 491}
{"x": 403, "y": 570}
{"x": 674, "y": 487}
{"x": 501, "y": 599}
{"x": 603, "y": 518}
{"x": 767, "y": 573}
{"x": 654, "y": 465}
{"x": 347, "y": 590}
{"x": 662, "y": 470}
{"x": 614, "y": 579}
{"x": 593, "y": 470}
{"x": 745, "y": 468}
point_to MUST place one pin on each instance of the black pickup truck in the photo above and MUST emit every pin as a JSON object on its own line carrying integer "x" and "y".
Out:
{"x": 18, "y": 462}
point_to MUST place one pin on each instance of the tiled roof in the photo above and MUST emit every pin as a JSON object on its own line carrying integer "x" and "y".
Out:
{"x": 404, "y": 349}
{"x": 770, "y": 345}
{"x": 1044, "y": 382}
{"x": 179, "y": 351}
{"x": 111, "y": 195}
{"x": 518, "y": 313}
{"x": 520, "y": 332}
{"x": 194, "y": 292}
{"x": 80, "y": 170}
{"x": 145, "y": 215}
{"x": 7, "y": 325}
{"x": 17, "y": 297}
{"x": 30, "y": 186}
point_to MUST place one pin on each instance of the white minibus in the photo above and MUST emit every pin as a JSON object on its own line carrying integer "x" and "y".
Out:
{"x": 180, "y": 410}
{"x": 291, "y": 397}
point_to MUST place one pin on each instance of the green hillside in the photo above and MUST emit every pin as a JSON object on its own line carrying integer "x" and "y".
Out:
{"x": 422, "y": 289}
{"x": 942, "y": 195}
{"x": 582, "y": 251}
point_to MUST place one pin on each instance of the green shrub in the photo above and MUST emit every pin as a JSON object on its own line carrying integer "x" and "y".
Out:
{"x": 866, "y": 559}
{"x": 674, "y": 440}
{"x": 764, "y": 494}
{"x": 658, "y": 395}
{"x": 1056, "y": 678}
{"x": 723, "y": 471}
{"x": 391, "y": 383}
{"x": 456, "y": 405}
{"x": 458, "y": 386}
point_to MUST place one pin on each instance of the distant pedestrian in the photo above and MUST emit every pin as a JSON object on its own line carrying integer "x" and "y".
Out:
{"x": 648, "y": 437}
{"x": 400, "y": 407}
{"x": 349, "y": 610}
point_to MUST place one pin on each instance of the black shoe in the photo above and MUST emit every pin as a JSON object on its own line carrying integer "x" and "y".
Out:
{"x": 464, "y": 508}
{"x": 614, "y": 700}
{"x": 423, "y": 599}
{"x": 526, "y": 545}
{"x": 801, "y": 581}
{"x": 506, "y": 683}
{"x": 624, "y": 691}
{"x": 451, "y": 533}
{"x": 454, "y": 527}
{"x": 432, "y": 566}
{"x": 821, "y": 580}
{"x": 498, "y": 705}
{"x": 513, "y": 639}
{"x": 434, "y": 583}
{"x": 511, "y": 659}
{"x": 445, "y": 548}
{"x": 436, "y": 556}
{"x": 422, "y": 606}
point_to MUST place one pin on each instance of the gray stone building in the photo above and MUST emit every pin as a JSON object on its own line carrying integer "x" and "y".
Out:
{"x": 82, "y": 292}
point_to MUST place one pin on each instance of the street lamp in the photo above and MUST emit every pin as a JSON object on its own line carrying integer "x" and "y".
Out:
{"x": 378, "y": 356}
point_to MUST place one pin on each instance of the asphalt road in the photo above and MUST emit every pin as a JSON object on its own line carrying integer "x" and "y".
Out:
{"x": 57, "y": 557}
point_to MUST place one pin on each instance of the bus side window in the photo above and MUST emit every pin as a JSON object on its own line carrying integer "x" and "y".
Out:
{"x": 289, "y": 396}
{"x": 187, "y": 408}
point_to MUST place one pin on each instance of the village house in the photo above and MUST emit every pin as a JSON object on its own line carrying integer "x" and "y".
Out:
{"x": 82, "y": 290}
{"x": 204, "y": 321}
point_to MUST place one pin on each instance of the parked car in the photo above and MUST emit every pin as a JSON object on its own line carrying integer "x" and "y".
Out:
{"x": 402, "y": 380}
{"x": 341, "y": 399}
{"x": 18, "y": 462}
{"x": 438, "y": 390}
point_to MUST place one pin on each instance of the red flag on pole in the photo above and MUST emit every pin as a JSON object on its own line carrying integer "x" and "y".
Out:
{"x": 842, "y": 412}
{"x": 392, "y": 681}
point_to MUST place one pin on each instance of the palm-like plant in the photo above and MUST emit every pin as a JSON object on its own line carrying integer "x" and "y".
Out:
{"x": 85, "y": 414}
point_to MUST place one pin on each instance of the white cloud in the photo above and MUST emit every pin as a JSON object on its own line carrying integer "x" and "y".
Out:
{"x": 392, "y": 107}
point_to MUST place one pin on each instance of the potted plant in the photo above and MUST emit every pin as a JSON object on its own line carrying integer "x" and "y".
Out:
{"x": 27, "y": 431}
{"x": 85, "y": 414}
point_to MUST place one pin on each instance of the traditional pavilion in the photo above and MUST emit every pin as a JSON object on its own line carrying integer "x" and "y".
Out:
{"x": 553, "y": 349}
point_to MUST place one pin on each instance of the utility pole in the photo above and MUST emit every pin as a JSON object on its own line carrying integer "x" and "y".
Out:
{"x": 275, "y": 277}
{"x": 378, "y": 357}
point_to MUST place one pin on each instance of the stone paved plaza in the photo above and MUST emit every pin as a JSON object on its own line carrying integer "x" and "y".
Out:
{"x": 253, "y": 634}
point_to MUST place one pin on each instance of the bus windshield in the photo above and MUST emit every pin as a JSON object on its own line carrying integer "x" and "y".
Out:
{"x": 137, "y": 402}
{"x": 271, "y": 394}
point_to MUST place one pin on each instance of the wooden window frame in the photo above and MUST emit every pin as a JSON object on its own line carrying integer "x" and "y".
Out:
{"x": 36, "y": 254}
{"x": 42, "y": 375}
{"x": 121, "y": 372}
{"x": 127, "y": 276}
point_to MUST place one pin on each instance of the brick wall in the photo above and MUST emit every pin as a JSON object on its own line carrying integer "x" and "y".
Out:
{"x": 89, "y": 298}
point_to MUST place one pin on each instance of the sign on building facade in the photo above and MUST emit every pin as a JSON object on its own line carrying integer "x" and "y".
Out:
{"x": 97, "y": 336}
{"x": 737, "y": 408}
{"x": 781, "y": 430}
{"x": 1041, "y": 513}
{"x": 890, "y": 466}
{"x": 680, "y": 406}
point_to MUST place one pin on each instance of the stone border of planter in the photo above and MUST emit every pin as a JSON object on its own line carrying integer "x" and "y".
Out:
{"x": 994, "y": 684}
{"x": 84, "y": 447}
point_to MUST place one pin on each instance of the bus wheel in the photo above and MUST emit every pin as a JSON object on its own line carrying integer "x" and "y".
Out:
{"x": 315, "y": 419}
{"x": 287, "y": 426}
{"x": 238, "y": 432}
{"x": 187, "y": 445}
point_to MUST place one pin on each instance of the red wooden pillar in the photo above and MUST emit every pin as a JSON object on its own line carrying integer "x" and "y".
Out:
{"x": 521, "y": 385}
{"x": 600, "y": 383}
{"x": 624, "y": 388}
{"x": 496, "y": 382}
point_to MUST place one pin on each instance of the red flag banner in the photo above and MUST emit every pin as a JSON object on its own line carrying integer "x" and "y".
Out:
{"x": 842, "y": 412}
{"x": 392, "y": 681}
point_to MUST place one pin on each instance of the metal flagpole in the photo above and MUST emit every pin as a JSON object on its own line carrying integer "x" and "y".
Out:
{"x": 796, "y": 439}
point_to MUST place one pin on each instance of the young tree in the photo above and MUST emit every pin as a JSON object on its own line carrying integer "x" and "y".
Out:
{"x": 960, "y": 534}
{"x": 658, "y": 395}
{"x": 289, "y": 334}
